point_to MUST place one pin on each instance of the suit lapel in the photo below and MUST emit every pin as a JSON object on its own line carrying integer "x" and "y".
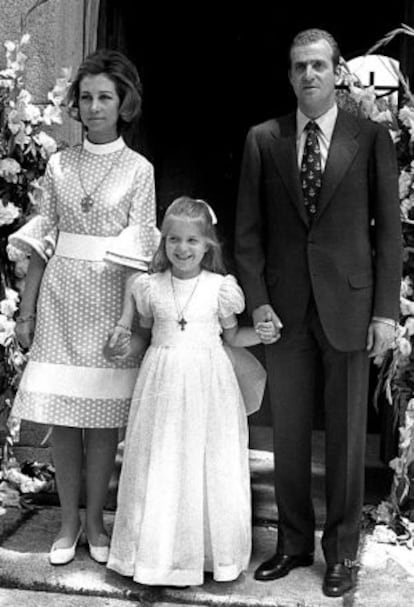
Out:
{"x": 342, "y": 151}
{"x": 285, "y": 156}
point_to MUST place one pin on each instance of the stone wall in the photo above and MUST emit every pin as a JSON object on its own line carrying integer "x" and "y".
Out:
{"x": 56, "y": 29}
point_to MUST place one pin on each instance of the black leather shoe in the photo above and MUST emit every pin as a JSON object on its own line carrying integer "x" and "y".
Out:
{"x": 280, "y": 565}
{"x": 338, "y": 580}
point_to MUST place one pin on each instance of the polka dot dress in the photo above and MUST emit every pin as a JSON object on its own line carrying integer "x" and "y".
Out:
{"x": 67, "y": 380}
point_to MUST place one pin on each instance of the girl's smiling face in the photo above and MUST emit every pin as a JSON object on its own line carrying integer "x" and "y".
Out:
{"x": 185, "y": 247}
{"x": 99, "y": 107}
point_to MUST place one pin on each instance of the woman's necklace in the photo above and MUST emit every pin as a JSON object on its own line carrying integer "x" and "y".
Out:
{"x": 87, "y": 201}
{"x": 180, "y": 313}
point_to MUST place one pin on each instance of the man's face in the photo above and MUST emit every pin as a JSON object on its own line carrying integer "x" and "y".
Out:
{"x": 313, "y": 77}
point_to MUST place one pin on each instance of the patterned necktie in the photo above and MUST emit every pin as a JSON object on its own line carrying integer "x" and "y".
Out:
{"x": 311, "y": 169}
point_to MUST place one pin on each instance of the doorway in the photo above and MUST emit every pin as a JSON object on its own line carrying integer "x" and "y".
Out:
{"x": 210, "y": 71}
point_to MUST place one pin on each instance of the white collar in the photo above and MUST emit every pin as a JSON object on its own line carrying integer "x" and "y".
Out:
{"x": 103, "y": 148}
{"x": 326, "y": 122}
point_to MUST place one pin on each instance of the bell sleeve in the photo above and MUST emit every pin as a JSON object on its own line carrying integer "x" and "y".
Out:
{"x": 137, "y": 243}
{"x": 40, "y": 232}
{"x": 230, "y": 302}
{"x": 141, "y": 292}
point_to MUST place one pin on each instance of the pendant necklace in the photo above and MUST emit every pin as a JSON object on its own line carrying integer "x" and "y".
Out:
{"x": 87, "y": 201}
{"x": 180, "y": 313}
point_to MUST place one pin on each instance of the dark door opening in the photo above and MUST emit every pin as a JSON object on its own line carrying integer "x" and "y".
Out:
{"x": 209, "y": 72}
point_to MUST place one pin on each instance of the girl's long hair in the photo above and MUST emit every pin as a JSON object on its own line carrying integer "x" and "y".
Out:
{"x": 200, "y": 212}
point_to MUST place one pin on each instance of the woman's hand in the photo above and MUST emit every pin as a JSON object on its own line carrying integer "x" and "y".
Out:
{"x": 25, "y": 326}
{"x": 118, "y": 345}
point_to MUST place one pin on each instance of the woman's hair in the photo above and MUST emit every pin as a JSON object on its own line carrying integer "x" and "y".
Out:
{"x": 200, "y": 212}
{"x": 123, "y": 74}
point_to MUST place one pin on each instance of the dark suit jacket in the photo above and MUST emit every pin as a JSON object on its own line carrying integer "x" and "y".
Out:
{"x": 350, "y": 257}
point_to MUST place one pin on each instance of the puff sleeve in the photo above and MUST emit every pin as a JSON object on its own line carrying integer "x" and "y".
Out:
{"x": 137, "y": 243}
{"x": 230, "y": 301}
{"x": 141, "y": 292}
{"x": 40, "y": 232}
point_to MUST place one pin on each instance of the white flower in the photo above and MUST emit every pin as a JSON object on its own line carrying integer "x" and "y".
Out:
{"x": 52, "y": 114}
{"x": 18, "y": 359}
{"x": 406, "y": 115}
{"x": 397, "y": 465}
{"x": 409, "y": 325}
{"x": 9, "y": 305}
{"x": 25, "y": 39}
{"x": 9, "y": 169}
{"x": 404, "y": 346}
{"x": 36, "y": 191}
{"x": 6, "y": 330}
{"x": 15, "y": 122}
{"x": 12, "y": 294}
{"x": 22, "y": 139}
{"x": 47, "y": 144}
{"x": 8, "y": 213}
{"x": 384, "y": 535}
{"x": 10, "y": 46}
{"x": 27, "y": 111}
{"x": 365, "y": 97}
{"x": 7, "y": 308}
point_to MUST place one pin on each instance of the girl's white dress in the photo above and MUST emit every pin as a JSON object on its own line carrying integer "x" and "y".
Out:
{"x": 184, "y": 493}
{"x": 67, "y": 380}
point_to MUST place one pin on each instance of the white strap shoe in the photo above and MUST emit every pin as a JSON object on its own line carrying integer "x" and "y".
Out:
{"x": 62, "y": 556}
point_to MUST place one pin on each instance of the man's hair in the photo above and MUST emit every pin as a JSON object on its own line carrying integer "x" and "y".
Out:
{"x": 310, "y": 36}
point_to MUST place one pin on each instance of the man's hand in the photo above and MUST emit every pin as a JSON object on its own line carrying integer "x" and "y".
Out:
{"x": 264, "y": 314}
{"x": 381, "y": 337}
{"x": 266, "y": 332}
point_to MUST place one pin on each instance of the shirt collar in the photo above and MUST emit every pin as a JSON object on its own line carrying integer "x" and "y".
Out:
{"x": 103, "y": 148}
{"x": 326, "y": 122}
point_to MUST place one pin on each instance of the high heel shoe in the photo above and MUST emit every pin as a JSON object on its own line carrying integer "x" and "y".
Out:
{"x": 62, "y": 556}
{"x": 100, "y": 554}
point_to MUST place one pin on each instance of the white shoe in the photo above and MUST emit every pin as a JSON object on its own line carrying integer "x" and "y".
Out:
{"x": 100, "y": 554}
{"x": 62, "y": 556}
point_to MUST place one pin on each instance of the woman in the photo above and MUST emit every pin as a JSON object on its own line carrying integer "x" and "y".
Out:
{"x": 99, "y": 196}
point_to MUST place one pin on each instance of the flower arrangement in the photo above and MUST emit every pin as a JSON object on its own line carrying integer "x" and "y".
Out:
{"x": 26, "y": 143}
{"x": 394, "y": 515}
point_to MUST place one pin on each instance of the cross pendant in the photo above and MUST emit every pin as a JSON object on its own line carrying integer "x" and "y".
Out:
{"x": 182, "y": 322}
{"x": 86, "y": 204}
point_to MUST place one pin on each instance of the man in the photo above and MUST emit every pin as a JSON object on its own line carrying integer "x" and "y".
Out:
{"x": 318, "y": 249}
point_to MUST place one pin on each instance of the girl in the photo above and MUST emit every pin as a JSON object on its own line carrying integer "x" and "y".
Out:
{"x": 184, "y": 492}
{"x": 99, "y": 197}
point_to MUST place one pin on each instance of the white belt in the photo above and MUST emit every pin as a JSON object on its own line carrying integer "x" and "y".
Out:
{"x": 83, "y": 246}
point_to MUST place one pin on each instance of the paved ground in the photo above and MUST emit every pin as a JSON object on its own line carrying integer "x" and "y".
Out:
{"x": 385, "y": 579}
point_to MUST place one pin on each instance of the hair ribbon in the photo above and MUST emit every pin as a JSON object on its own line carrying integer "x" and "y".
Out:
{"x": 210, "y": 210}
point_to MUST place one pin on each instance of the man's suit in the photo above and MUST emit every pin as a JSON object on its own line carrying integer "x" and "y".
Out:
{"x": 325, "y": 280}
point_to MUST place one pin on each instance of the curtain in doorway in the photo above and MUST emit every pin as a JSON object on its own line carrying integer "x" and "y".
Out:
{"x": 91, "y": 20}
{"x": 110, "y": 26}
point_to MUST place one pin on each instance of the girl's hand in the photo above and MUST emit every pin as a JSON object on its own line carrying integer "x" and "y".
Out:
{"x": 24, "y": 330}
{"x": 264, "y": 314}
{"x": 266, "y": 332}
